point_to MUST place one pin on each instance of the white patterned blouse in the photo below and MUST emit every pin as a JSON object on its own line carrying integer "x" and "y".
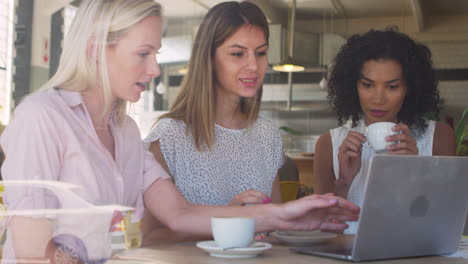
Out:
{"x": 239, "y": 160}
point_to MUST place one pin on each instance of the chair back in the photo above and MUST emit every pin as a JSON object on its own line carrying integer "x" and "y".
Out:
{"x": 289, "y": 190}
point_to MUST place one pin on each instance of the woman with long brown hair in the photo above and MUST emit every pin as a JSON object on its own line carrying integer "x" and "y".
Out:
{"x": 212, "y": 141}
{"x": 75, "y": 132}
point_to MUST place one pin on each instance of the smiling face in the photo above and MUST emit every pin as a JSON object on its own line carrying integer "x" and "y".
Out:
{"x": 132, "y": 60}
{"x": 240, "y": 63}
{"x": 381, "y": 90}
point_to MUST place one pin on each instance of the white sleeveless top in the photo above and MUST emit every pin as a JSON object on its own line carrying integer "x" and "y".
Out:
{"x": 239, "y": 160}
{"x": 356, "y": 190}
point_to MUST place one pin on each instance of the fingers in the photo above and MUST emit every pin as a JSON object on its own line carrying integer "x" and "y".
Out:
{"x": 403, "y": 148}
{"x": 333, "y": 226}
{"x": 351, "y": 148}
{"x": 353, "y": 142}
{"x": 342, "y": 203}
{"x": 401, "y": 127}
{"x": 341, "y": 215}
{"x": 357, "y": 135}
{"x": 256, "y": 194}
{"x": 250, "y": 197}
{"x": 318, "y": 211}
{"x": 405, "y": 143}
{"x": 328, "y": 201}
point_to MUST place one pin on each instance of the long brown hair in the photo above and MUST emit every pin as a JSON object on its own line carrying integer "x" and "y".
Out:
{"x": 195, "y": 103}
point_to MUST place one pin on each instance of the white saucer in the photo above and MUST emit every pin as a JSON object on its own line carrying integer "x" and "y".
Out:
{"x": 302, "y": 237}
{"x": 247, "y": 252}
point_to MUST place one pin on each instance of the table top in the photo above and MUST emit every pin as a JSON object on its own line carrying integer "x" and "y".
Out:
{"x": 188, "y": 253}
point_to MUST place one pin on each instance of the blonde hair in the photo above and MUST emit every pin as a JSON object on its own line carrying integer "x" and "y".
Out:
{"x": 195, "y": 102}
{"x": 97, "y": 23}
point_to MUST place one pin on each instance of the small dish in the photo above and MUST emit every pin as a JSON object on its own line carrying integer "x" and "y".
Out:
{"x": 248, "y": 252}
{"x": 299, "y": 238}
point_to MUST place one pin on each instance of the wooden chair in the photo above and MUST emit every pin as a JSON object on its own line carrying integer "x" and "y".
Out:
{"x": 289, "y": 190}
{"x": 289, "y": 180}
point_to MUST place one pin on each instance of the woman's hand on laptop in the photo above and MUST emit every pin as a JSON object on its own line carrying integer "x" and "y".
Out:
{"x": 317, "y": 212}
{"x": 405, "y": 143}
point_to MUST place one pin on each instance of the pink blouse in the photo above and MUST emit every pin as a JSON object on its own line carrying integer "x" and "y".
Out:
{"x": 51, "y": 137}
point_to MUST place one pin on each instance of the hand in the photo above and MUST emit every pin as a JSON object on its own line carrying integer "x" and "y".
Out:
{"x": 349, "y": 156}
{"x": 250, "y": 197}
{"x": 317, "y": 212}
{"x": 406, "y": 145}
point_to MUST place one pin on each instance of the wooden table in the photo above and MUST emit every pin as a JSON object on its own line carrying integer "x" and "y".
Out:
{"x": 188, "y": 253}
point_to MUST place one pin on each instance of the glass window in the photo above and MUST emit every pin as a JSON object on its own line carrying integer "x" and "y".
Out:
{"x": 6, "y": 29}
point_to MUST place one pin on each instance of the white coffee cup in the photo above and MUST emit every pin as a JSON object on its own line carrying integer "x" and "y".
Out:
{"x": 376, "y": 134}
{"x": 232, "y": 232}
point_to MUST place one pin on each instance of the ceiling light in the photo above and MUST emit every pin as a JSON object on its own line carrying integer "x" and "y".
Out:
{"x": 288, "y": 65}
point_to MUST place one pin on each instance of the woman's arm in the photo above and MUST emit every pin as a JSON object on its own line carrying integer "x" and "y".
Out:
{"x": 165, "y": 202}
{"x": 33, "y": 147}
{"x": 323, "y": 165}
{"x": 349, "y": 162}
{"x": 444, "y": 140}
{"x": 25, "y": 248}
{"x": 152, "y": 229}
{"x": 155, "y": 232}
{"x": 155, "y": 148}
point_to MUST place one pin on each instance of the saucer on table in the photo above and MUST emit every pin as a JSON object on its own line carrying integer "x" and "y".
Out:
{"x": 247, "y": 252}
{"x": 297, "y": 238}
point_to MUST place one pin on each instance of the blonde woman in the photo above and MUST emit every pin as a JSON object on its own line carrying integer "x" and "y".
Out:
{"x": 75, "y": 130}
{"x": 212, "y": 141}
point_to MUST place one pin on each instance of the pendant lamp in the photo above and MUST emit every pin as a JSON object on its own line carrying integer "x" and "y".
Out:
{"x": 288, "y": 64}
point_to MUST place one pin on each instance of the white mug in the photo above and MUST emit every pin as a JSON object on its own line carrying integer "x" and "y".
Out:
{"x": 376, "y": 134}
{"x": 231, "y": 232}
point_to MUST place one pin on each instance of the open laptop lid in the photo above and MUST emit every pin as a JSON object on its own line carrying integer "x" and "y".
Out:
{"x": 413, "y": 206}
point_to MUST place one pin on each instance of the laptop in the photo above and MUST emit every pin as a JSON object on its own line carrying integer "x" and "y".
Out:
{"x": 413, "y": 206}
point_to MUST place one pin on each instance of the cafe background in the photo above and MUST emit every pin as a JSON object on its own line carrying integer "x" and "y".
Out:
{"x": 32, "y": 31}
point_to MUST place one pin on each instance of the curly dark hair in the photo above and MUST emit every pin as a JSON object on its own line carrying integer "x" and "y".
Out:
{"x": 415, "y": 59}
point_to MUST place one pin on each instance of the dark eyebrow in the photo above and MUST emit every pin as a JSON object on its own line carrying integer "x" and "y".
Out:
{"x": 369, "y": 80}
{"x": 394, "y": 80}
{"x": 366, "y": 79}
{"x": 242, "y": 47}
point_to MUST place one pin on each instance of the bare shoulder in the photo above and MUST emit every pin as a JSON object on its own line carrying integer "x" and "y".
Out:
{"x": 444, "y": 140}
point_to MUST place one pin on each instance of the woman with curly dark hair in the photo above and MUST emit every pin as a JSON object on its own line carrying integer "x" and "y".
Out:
{"x": 378, "y": 76}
